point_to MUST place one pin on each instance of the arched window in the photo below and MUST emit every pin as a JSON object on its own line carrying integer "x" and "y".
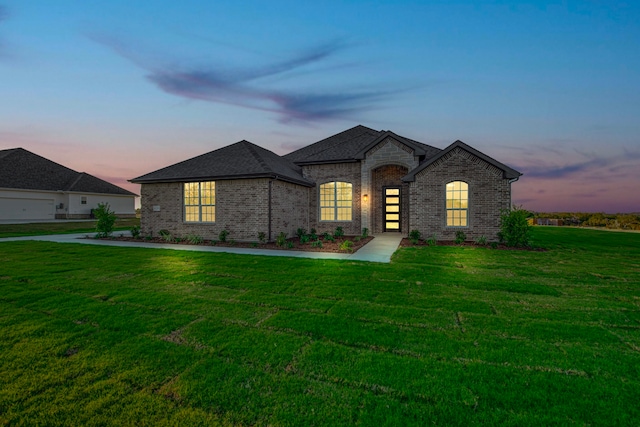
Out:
{"x": 336, "y": 201}
{"x": 457, "y": 204}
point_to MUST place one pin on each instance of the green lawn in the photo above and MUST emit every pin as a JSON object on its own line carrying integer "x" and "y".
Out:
{"x": 60, "y": 227}
{"x": 93, "y": 335}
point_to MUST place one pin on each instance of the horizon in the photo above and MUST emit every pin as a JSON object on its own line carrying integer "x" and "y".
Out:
{"x": 118, "y": 90}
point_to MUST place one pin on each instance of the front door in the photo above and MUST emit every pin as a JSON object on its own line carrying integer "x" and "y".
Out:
{"x": 391, "y": 208}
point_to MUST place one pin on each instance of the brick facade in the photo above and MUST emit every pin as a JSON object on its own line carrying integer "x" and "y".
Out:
{"x": 388, "y": 176}
{"x": 489, "y": 194}
{"x": 289, "y": 208}
{"x": 320, "y": 174}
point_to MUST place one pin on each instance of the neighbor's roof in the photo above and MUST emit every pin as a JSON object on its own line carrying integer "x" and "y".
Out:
{"x": 22, "y": 169}
{"x": 240, "y": 160}
{"x": 507, "y": 172}
{"x": 352, "y": 145}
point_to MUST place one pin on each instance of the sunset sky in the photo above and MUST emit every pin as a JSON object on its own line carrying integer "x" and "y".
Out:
{"x": 121, "y": 88}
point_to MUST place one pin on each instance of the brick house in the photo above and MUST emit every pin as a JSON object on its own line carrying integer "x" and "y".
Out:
{"x": 359, "y": 178}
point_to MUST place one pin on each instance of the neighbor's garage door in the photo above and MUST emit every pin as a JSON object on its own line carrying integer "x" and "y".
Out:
{"x": 26, "y": 209}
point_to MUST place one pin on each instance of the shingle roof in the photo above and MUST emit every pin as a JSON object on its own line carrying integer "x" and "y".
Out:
{"x": 508, "y": 172}
{"x": 23, "y": 169}
{"x": 240, "y": 160}
{"x": 351, "y": 145}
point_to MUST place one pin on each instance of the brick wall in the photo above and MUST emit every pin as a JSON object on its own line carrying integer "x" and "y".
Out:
{"x": 289, "y": 208}
{"x": 489, "y": 193}
{"x": 388, "y": 176}
{"x": 241, "y": 208}
{"x": 345, "y": 172}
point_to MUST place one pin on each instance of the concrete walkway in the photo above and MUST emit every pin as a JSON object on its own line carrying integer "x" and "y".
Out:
{"x": 379, "y": 249}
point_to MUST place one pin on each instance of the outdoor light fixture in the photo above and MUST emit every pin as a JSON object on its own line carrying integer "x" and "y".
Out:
{"x": 366, "y": 197}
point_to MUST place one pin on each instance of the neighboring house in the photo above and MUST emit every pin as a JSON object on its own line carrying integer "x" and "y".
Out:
{"x": 359, "y": 178}
{"x": 35, "y": 188}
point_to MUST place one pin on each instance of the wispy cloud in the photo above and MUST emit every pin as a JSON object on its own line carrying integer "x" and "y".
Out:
{"x": 248, "y": 86}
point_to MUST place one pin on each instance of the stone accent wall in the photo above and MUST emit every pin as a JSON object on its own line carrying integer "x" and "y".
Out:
{"x": 289, "y": 208}
{"x": 388, "y": 176}
{"x": 241, "y": 208}
{"x": 346, "y": 172}
{"x": 489, "y": 193}
{"x": 388, "y": 152}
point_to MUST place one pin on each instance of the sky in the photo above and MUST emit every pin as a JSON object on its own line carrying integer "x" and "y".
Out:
{"x": 118, "y": 88}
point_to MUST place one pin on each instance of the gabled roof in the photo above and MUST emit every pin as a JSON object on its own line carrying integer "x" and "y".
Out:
{"x": 240, "y": 160}
{"x": 351, "y": 145}
{"x": 22, "y": 169}
{"x": 508, "y": 173}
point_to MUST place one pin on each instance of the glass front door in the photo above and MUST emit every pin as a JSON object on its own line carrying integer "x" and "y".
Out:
{"x": 391, "y": 208}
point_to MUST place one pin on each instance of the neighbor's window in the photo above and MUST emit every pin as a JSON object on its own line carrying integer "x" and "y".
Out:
{"x": 335, "y": 201}
{"x": 200, "y": 201}
{"x": 457, "y": 204}
{"x": 83, "y": 200}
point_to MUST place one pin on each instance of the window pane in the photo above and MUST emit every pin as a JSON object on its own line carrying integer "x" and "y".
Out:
{"x": 392, "y": 225}
{"x": 395, "y": 208}
{"x": 394, "y": 200}
{"x": 393, "y": 217}
{"x": 392, "y": 192}
{"x": 192, "y": 214}
{"x": 326, "y": 214}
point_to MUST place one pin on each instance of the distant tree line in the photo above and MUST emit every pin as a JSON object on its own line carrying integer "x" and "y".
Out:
{"x": 630, "y": 221}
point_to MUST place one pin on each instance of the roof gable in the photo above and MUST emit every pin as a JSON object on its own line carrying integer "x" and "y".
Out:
{"x": 508, "y": 173}
{"x": 418, "y": 148}
{"x": 240, "y": 160}
{"x": 22, "y": 169}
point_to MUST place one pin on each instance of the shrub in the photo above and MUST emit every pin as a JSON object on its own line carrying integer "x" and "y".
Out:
{"x": 494, "y": 245}
{"x": 262, "y": 237}
{"x": 135, "y": 231}
{"x": 338, "y": 233}
{"x": 328, "y": 237}
{"x": 482, "y": 240}
{"x": 514, "y": 229}
{"x": 214, "y": 242}
{"x": 289, "y": 244}
{"x": 223, "y": 235}
{"x": 432, "y": 241}
{"x": 304, "y": 239}
{"x": 106, "y": 219}
{"x": 193, "y": 239}
{"x": 414, "y": 236}
{"x": 316, "y": 244}
{"x": 346, "y": 246}
{"x": 313, "y": 235}
{"x": 254, "y": 244}
{"x": 301, "y": 232}
{"x": 166, "y": 235}
{"x": 460, "y": 237}
{"x": 365, "y": 232}
{"x": 281, "y": 239}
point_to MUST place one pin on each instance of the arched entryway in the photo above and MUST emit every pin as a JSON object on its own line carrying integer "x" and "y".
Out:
{"x": 389, "y": 199}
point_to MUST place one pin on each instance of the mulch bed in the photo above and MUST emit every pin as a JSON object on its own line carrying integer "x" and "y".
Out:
{"x": 500, "y": 246}
{"x": 327, "y": 246}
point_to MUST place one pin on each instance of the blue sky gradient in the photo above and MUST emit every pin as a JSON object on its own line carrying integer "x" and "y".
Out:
{"x": 121, "y": 88}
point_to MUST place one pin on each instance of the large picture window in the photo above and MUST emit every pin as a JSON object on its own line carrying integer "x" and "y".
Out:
{"x": 457, "y": 204}
{"x": 200, "y": 201}
{"x": 336, "y": 201}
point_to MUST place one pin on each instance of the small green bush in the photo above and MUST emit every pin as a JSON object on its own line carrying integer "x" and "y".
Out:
{"x": 106, "y": 219}
{"x": 193, "y": 239}
{"x": 365, "y": 232}
{"x": 432, "y": 241}
{"x": 289, "y": 244}
{"x": 214, "y": 242}
{"x": 338, "y": 233}
{"x": 460, "y": 237}
{"x": 135, "y": 231}
{"x": 223, "y": 235}
{"x": 481, "y": 241}
{"x": 515, "y": 230}
{"x": 281, "y": 239}
{"x": 328, "y": 237}
{"x": 346, "y": 246}
{"x": 304, "y": 239}
{"x": 166, "y": 235}
{"x": 414, "y": 236}
{"x": 316, "y": 244}
{"x": 262, "y": 237}
{"x": 313, "y": 235}
{"x": 301, "y": 232}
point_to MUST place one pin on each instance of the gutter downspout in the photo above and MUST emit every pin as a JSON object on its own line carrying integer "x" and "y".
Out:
{"x": 511, "y": 181}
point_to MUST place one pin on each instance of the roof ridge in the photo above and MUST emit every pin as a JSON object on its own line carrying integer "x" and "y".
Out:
{"x": 251, "y": 147}
{"x": 328, "y": 147}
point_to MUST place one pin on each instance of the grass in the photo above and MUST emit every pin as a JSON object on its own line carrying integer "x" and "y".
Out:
{"x": 61, "y": 227}
{"x": 94, "y": 335}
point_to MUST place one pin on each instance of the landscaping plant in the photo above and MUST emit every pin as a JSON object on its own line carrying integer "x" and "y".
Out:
{"x": 515, "y": 230}
{"x": 106, "y": 219}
